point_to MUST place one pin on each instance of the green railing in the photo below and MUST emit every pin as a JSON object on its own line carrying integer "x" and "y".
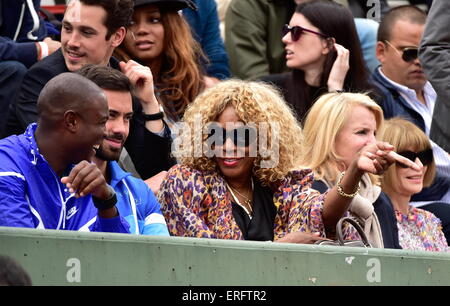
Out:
{"x": 74, "y": 258}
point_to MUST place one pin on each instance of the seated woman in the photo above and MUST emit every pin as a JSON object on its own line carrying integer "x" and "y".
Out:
{"x": 324, "y": 53}
{"x": 161, "y": 39}
{"x": 418, "y": 229}
{"x": 238, "y": 175}
{"x": 338, "y": 126}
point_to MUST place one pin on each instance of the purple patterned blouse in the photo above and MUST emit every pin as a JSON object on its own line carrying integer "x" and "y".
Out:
{"x": 195, "y": 204}
{"x": 420, "y": 230}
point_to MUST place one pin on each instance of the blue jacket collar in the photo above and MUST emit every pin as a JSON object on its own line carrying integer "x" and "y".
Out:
{"x": 117, "y": 174}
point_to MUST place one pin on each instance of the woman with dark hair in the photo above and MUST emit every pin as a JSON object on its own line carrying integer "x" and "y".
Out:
{"x": 161, "y": 39}
{"x": 324, "y": 53}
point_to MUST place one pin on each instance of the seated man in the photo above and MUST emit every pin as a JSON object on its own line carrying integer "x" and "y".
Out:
{"x": 90, "y": 33}
{"x": 46, "y": 181}
{"x": 406, "y": 92}
{"x": 135, "y": 201}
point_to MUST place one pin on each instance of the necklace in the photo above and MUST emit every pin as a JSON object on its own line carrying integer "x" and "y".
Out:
{"x": 248, "y": 202}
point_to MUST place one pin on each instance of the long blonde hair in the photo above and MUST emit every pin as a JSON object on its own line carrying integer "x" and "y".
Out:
{"x": 322, "y": 125}
{"x": 253, "y": 102}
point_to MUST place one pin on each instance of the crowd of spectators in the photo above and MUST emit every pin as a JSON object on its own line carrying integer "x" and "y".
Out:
{"x": 141, "y": 117}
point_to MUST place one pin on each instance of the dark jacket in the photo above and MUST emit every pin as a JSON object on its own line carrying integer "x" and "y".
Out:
{"x": 394, "y": 105}
{"x": 434, "y": 56}
{"x": 149, "y": 152}
{"x": 23, "y": 49}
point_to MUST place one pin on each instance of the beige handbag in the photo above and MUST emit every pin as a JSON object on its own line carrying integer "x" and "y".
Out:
{"x": 350, "y": 243}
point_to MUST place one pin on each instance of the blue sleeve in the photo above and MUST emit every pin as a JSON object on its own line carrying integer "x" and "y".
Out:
{"x": 14, "y": 207}
{"x": 155, "y": 224}
{"x": 24, "y": 52}
{"x": 205, "y": 26}
{"x": 113, "y": 225}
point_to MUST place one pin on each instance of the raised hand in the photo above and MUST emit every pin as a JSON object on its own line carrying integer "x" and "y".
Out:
{"x": 340, "y": 68}
{"x": 86, "y": 178}
{"x": 142, "y": 79}
{"x": 377, "y": 157}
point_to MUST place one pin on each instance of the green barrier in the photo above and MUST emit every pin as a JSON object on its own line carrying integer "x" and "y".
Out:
{"x": 74, "y": 258}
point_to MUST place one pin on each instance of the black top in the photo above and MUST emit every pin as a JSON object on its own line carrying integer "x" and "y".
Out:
{"x": 281, "y": 80}
{"x": 260, "y": 227}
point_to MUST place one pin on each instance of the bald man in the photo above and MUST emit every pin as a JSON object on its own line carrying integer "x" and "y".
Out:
{"x": 46, "y": 178}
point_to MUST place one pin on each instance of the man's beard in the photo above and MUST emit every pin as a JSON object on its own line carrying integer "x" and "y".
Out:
{"x": 111, "y": 154}
{"x": 107, "y": 155}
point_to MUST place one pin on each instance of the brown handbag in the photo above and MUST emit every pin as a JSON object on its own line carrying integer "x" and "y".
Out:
{"x": 340, "y": 237}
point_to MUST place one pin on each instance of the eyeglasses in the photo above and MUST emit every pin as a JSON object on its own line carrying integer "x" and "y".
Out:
{"x": 425, "y": 156}
{"x": 297, "y": 31}
{"x": 408, "y": 53}
{"x": 241, "y": 136}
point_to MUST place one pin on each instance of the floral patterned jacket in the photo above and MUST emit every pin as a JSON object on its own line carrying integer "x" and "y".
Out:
{"x": 195, "y": 204}
{"x": 420, "y": 230}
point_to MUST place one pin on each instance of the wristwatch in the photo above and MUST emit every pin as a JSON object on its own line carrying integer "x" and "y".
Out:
{"x": 151, "y": 117}
{"x": 108, "y": 203}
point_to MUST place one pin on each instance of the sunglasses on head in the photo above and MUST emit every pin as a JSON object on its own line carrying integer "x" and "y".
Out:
{"x": 242, "y": 136}
{"x": 297, "y": 31}
{"x": 408, "y": 53}
{"x": 425, "y": 156}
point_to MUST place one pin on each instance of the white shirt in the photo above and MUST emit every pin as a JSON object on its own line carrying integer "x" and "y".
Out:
{"x": 441, "y": 157}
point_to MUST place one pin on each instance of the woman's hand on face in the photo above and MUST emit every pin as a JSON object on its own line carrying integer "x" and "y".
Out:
{"x": 377, "y": 157}
{"x": 301, "y": 237}
{"x": 340, "y": 68}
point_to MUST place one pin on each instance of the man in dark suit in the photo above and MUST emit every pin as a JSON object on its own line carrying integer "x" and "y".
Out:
{"x": 91, "y": 30}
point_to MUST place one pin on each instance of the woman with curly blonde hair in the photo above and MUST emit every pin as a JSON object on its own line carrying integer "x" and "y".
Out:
{"x": 238, "y": 175}
{"x": 160, "y": 39}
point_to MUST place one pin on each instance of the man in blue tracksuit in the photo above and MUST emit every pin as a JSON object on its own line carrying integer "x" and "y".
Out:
{"x": 46, "y": 181}
{"x": 135, "y": 200}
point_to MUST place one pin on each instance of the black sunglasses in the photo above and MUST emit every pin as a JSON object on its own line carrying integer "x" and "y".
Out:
{"x": 425, "y": 156}
{"x": 242, "y": 136}
{"x": 297, "y": 31}
{"x": 408, "y": 53}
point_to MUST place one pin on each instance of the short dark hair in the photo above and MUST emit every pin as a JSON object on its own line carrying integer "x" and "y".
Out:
{"x": 106, "y": 77}
{"x": 12, "y": 273}
{"x": 118, "y": 13}
{"x": 409, "y": 13}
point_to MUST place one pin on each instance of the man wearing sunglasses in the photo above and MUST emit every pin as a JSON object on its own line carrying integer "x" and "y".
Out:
{"x": 406, "y": 92}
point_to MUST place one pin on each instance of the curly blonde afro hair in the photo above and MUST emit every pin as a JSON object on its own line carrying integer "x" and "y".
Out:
{"x": 255, "y": 103}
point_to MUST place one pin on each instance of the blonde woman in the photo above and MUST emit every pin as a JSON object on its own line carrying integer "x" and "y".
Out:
{"x": 418, "y": 229}
{"x": 338, "y": 127}
{"x": 238, "y": 175}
